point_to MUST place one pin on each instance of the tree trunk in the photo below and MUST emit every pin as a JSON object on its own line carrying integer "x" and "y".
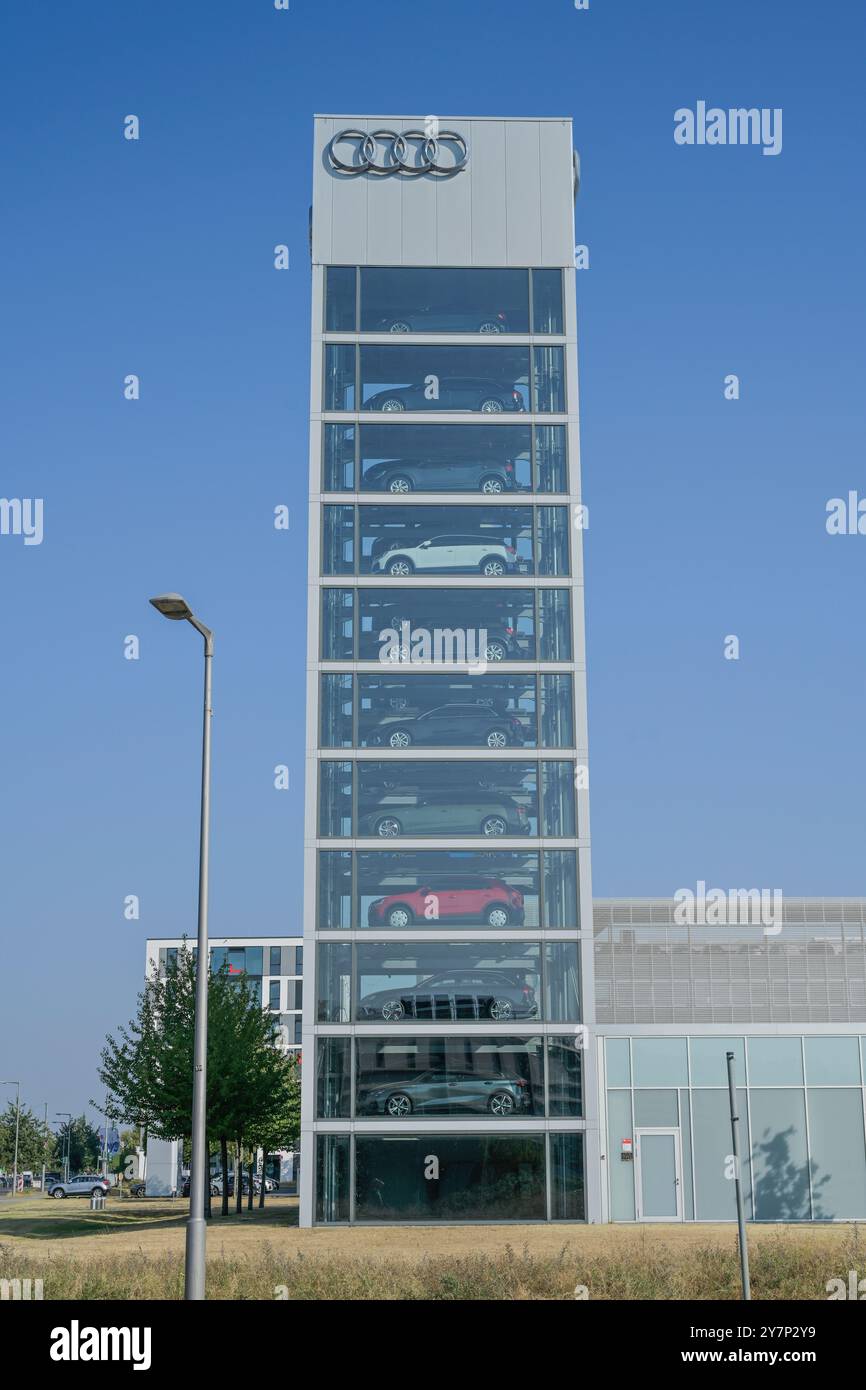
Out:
{"x": 224, "y": 1164}
{"x": 208, "y": 1210}
{"x": 264, "y": 1171}
{"x": 252, "y": 1169}
{"x": 239, "y": 1179}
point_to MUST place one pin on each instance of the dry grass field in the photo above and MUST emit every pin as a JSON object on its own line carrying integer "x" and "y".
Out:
{"x": 134, "y": 1249}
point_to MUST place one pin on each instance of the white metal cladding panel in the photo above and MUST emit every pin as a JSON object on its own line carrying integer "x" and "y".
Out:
{"x": 511, "y": 205}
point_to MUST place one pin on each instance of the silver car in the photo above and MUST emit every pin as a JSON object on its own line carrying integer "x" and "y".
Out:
{"x": 82, "y": 1185}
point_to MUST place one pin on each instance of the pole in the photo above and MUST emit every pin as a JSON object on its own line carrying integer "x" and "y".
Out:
{"x": 44, "y": 1143}
{"x": 17, "y": 1124}
{"x": 194, "y": 1281}
{"x": 105, "y": 1149}
{"x": 738, "y": 1186}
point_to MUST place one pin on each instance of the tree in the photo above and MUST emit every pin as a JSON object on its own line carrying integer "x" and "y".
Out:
{"x": 34, "y": 1142}
{"x": 78, "y": 1141}
{"x": 281, "y": 1128}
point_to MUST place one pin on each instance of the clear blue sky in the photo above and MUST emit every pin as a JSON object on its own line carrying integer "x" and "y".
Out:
{"x": 706, "y": 516}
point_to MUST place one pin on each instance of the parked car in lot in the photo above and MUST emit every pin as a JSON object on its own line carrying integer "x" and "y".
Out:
{"x": 447, "y": 554}
{"x": 139, "y": 1188}
{"x": 424, "y": 319}
{"x": 453, "y": 725}
{"x": 436, "y": 1093}
{"x": 455, "y": 393}
{"x": 467, "y": 900}
{"x": 82, "y": 1185}
{"x": 445, "y": 475}
{"x": 490, "y": 994}
{"x": 217, "y": 1185}
{"x": 214, "y": 1190}
{"x": 397, "y": 813}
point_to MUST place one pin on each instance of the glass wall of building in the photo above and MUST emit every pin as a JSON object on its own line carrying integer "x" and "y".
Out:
{"x": 802, "y": 1138}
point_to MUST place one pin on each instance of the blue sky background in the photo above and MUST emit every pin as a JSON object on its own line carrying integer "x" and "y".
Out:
{"x": 706, "y": 516}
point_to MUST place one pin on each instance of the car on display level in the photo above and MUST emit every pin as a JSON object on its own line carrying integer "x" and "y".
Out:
{"x": 81, "y": 1185}
{"x": 454, "y": 725}
{"x": 448, "y": 1093}
{"x": 500, "y": 995}
{"x": 446, "y": 475}
{"x": 455, "y": 393}
{"x": 448, "y": 554}
{"x": 499, "y": 643}
{"x": 397, "y": 813}
{"x": 426, "y": 319}
{"x": 467, "y": 900}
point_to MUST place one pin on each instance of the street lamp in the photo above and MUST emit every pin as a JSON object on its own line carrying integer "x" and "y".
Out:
{"x": 174, "y": 607}
{"x": 65, "y": 1115}
{"x": 17, "y": 1123}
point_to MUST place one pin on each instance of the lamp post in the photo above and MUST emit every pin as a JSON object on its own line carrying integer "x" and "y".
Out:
{"x": 174, "y": 607}
{"x": 16, "y": 1084}
{"x": 65, "y": 1115}
{"x": 44, "y": 1145}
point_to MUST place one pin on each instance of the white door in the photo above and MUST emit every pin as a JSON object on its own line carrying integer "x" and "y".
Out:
{"x": 658, "y": 1176}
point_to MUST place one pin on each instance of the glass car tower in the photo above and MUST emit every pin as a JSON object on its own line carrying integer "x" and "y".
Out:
{"x": 448, "y": 1068}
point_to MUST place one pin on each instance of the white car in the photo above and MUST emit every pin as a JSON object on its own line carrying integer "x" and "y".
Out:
{"x": 473, "y": 553}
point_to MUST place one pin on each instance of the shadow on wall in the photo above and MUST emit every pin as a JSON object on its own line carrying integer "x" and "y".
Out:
{"x": 782, "y": 1180}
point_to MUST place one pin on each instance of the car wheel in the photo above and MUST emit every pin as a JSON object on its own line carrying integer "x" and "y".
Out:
{"x": 501, "y": 1104}
{"x": 490, "y": 326}
{"x": 398, "y": 1105}
{"x": 489, "y": 406}
{"x": 400, "y": 917}
{"x": 399, "y": 738}
{"x": 58, "y": 1193}
{"x": 401, "y": 483}
{"x": 399, "y": 569}
{"x": 388, "y": 828}
{"x": 502, "y": 1010}
{"x": 492, "y": 486}
{"x": 494, "y": 825}
{"x": 392, "y": 403}
{"x": 98, "y": 1192}
{"x": 495, "y": 651}
{"x": 393, "y": 1011}
{"x": 497, "y": 738}
{"x": 498, "y": 917}
{"x": 400, "y": 326}
{"x": 492, "y": 568}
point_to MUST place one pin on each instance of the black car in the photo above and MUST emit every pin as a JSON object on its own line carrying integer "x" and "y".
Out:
{"x": 446, "y": 475}
{"x": 424, "y": 319}
{"x": 454, "y": 725}
{"x": 455, "y": 393}
{"x": 449, "y": 1093}
{"x": 214, "y": 1189}
{"x": 483, "y": 994}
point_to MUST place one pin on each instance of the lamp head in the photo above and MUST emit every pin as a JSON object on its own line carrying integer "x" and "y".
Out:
{"x": 172, "y": 606}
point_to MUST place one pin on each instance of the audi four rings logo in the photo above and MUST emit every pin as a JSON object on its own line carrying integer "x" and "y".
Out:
{"x": 385, "y": 152}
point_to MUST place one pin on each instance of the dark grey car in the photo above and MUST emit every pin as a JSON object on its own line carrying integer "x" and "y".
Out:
{"x": 481, "y": 994}
{"x": 439, "y": 1092}
{"x": 455, "y": 393}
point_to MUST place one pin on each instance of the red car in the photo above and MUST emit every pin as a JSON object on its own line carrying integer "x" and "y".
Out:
{"x": 471, "y": 899}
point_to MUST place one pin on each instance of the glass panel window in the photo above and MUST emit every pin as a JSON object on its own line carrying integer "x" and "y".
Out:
{"x": 487, "y": 380}
{"x": 338, "y": 540}
{"x": 497, "y": 1078}
{"x": 335, "y": 889}
{"x": 458, "y": 711}
{"x": 442, "y": 799}
{"x": 551, "y": 458}
{"x": 780, "y": 1160}
{"x": 275, "y": 961}
{"x": 334, "y": 982}
{"x": 617, "y": 1062}
{"x": 838, "y": 1162}
{"x": 339, "y": 385}
{"x": 340, "y": 299}
{"x": 775, "y": 1062}
{"x": 715, "y": 1199}
{"x": 402, "y": 299}
{"x": 445, "y": 627}
{"x": 336, "y": 711}
{"x": 430, "y": 888}
{"x": 338, "y": 458}
{"x": 567, "y": 1188}
{"x": 564, "y": 1073}
{"x": 471, "y": 981}
{"x": 558, "y": 803}
{"x": 561, "y": 904}
{"x": 332, "y": 1177}
{"x": 557, "y": 712}
{"x": 660, "y": 1062}
{"x": 338, "y": 626}
{"x": 554, "y": 606}
{"x": 274, "y": 996}
{"x": 335, "y": 799}
{"x": 549, "y": 379}
{"x": 832, "y": 1062}
{"x": 562, "y": 982}
{"x": 334, "y": 1078}
{"x": 656, "y": 1108}
{"x": 551, "y": 541}
{"x": 487, "y": 459}
{"x": 480, "y": 1177}
{"x": 547, "y": 301}
{"x": 709, "y": 1061}
{"x": 491, "y": 541}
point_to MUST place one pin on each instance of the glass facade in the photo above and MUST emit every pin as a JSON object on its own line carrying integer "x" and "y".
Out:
{"x": 801, "y": 1109}
{"x": 445, "y": 1024}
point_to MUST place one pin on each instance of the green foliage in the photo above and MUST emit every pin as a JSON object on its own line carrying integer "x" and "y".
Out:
{"x": 35, "y": 1144}
{"x": 79, "y": 1140}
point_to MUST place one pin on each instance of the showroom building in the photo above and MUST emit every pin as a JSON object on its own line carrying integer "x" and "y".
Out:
{"x": 447, "y": 863}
